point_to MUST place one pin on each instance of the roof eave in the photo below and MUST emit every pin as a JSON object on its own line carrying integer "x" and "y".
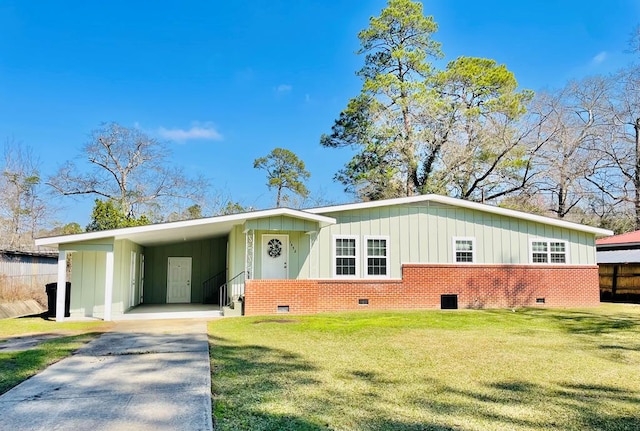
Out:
{"x": 623, "y": 245}
{"x": 240, "y": 218}
{"x": 598, "y": 232}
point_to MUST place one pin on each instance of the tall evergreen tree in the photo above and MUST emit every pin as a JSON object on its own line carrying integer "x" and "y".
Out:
{"x": 285, "y": 171}
{"x": 419, "y": 130}
{"x": 381, "y": 122}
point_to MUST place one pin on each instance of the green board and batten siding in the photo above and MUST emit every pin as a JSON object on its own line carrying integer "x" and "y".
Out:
{"x": 88, "y": 277}
{"x": 208, "y": 258}
{"x": 298, "y": 231}
{"x": 298, "y": 253}
{"x": 88, "y": 281}
{"x": 122, "y": 299}
{"x": 281, "y": 223}
{"x": 424, "y": 234}
{"x": 418, "y": 233}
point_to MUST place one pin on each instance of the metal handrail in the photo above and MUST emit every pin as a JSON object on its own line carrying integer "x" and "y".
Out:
{"x": 224, "y": 298}
{"x": 212, "y": 283}
{"x": 223, "y": 272}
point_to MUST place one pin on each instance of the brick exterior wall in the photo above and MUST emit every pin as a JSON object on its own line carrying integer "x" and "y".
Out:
{"x": 421, "y": 287}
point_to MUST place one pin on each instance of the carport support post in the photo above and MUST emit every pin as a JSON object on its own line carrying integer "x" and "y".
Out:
{"x": 61, "y": 291}
{"x": 108, "y": 286}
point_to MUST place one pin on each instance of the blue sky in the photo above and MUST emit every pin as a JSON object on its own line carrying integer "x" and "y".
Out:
{"x": 226, "y": 82}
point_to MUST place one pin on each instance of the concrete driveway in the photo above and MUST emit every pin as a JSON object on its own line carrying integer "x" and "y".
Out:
{"x": 144, "y": 375}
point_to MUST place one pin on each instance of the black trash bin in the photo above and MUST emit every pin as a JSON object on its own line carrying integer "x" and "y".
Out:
{"x": 52, "y": 292}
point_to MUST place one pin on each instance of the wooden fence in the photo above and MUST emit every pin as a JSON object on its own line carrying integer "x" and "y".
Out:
{"x": 23, "y": 275}
{"x": 620, "y": 283}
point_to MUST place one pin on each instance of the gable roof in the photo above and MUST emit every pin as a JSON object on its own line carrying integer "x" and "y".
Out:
{"x": 625, "y": 238}
{"x": 460, "y": 203}
{"x": 186, "y": 230}
{"x": 189, "y": 230}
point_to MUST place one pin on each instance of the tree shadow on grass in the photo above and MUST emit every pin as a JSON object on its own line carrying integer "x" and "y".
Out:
{"x": 617, "y": 336}
{"x": 561, "y": 405}
{"x": 248, "y": 380}
{"x": 17, "y": 366}
{"x": 590, "y": 323}
{"x": 600, "y": 406}
{"x": 246, "y": 377}
{"x": 396, "y": 425}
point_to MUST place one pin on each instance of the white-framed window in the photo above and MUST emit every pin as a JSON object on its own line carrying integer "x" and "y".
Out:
{"x": 345, "y": 262}
{"x": 377, "y": 256}
{"x": 464, "y": 250}
{"x": 548, "y": 251}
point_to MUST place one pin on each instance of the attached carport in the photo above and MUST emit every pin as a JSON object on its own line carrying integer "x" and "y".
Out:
{"x": 103, "y": 247}
{"x": 109, "y": 272}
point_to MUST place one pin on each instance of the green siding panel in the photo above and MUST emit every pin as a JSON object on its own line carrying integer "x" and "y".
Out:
{"x": 87, "y": 284}
{"x": 122, "y": 297}
{"x": 298, "y": 249}
{"x": 208, "y": 258}
{"x": 424, "y": 233}
{"x": 281, "y": 223}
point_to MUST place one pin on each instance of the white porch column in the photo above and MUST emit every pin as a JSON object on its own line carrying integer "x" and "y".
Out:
{"x": 61, "y": 294}
{"x": 108, "y": 286}
{"x": 249, "y": 253}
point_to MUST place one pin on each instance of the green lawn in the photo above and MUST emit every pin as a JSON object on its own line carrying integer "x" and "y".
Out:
{"x": 35, "y": 325}
{"x": 18, "y": 366}
{"x": 531, "y": 369}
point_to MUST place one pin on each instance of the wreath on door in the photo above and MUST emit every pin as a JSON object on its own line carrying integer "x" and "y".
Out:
{"x": 274, "y": 248}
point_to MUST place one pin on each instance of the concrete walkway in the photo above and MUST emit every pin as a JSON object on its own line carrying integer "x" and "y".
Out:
{"x": 151, "y": 375}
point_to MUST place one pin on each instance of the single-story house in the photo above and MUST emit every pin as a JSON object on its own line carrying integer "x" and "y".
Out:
{"x": 417, "y": 252}
{"x": 618, "y": 258}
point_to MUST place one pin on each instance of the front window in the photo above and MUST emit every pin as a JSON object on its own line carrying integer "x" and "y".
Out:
{"x": 464, "y": 250}
{"x": 540, "y": 252}
{"x": 377, "y": 257}
{"x": 544, "y": 251}
{"x": 346, "y": 255}
{"x": 558, "y": 252}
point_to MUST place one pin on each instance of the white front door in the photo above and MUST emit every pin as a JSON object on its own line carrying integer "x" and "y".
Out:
{"x": 275, "y": 256}
{"x": 179, "y": 280}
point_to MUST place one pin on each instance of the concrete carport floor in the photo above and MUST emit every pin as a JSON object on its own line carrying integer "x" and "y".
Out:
{"x": 150, "y": 375}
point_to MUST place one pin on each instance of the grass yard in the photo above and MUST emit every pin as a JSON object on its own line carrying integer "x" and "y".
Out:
{"x": 18, "y": 366}
{"x": 532, "y": 369}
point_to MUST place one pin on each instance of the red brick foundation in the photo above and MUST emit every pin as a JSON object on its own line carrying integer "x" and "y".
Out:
{"x": 421, "y": 287}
